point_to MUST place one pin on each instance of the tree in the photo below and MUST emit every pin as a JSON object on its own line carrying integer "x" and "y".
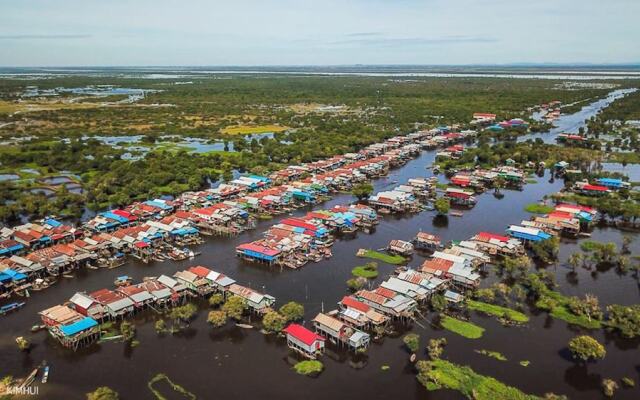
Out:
{"x": 216, "y": 299}
{"x": 103, "y": 393}
{"x": 234, "y": 307}
{"x": 609, "y": 386}
{"x": 574, "y": 261}
{"x": 292, "y": 311}
{"x": 183, "y": 313}
{"x": 217, "y": 318}
{"x": 436, "y": 347}
{"x": 442, "y": 205}
{"x": 160, "y": 326}
{"x": 586, "y": 348}
{"x": 438, "y": 302}
{"x": 625, "y": 319}
{"x": 356, "y": 284}
{"x": 412, "y": 341}
{"x": 362, "y": 190}
{"x": 273, "y": 321}
{"x": 127, "y": 330}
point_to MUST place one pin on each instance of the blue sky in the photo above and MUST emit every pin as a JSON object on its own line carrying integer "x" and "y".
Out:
{"x": 322, "y": 32}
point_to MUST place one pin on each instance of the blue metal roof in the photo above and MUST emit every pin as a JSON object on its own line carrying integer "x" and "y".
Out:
{"x": 79, "y": 326}
{"x": 15, "y": 275}
{"x": 110, "y": 215}
{"x": 158, "y": 204}
{"x": 610, "y": 182}
{"x": 52, "y": 222}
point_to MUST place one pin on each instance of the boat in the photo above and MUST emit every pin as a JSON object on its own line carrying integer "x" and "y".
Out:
{"x": 124, "y": 280}
{"x": 45, "y": 375}
{"x": 244, "y": 326}
{"x": 456, "y": 213}
{"x": 11, "y": 307}
{"x": 37, "y": 328}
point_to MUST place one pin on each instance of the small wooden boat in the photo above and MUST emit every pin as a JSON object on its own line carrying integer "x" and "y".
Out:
{"x": 11, "y": 307}
{"x": 244, "y": 326}
{"x": 37, "y": 328}
{"x": 45, "y": 375}
{"x": 456, "y": 213}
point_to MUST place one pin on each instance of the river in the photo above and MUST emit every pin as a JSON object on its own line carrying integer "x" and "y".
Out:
{"x": 235, "y": 363}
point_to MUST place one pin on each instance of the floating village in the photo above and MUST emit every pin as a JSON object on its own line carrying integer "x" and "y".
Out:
{"x": 37, "y": 255}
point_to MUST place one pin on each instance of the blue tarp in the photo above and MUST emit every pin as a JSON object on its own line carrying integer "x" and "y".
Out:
{"x": 583, "y": 215}
{"x": 184, "y": 231}
{"x": 255, "y": 254}
{"x": 79, "y": 326}
{"x": 534, "y": 238}
{"x": 110, "y": 215}
{"x": 4, "y": 277}
{"x": 610, "y": 182}
{"x": 261, "y": 178}
{"x": 45, "y": 239}
{"x": 11, "y": 250}
{"x": 15, "y": 275}
{"x": 52, "y": 222}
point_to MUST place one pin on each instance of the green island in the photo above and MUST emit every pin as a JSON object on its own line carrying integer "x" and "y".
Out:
{"x": 394, "y": 259}
{"x": 497, "y": 311}
{"x": 442, "y": 374}
{"x": 466, "y": 329}
{"x": 308, "y": 367}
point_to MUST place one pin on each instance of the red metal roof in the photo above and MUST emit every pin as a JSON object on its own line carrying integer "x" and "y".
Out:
{"x": 259, "y": 249}
{"x": 302, "y": 334}
{"x": 595, "y": 188}
{"x": 199, "y": 270}
{"x": 489, "y": 235}
{"x": 351, "y": 302}
{"x": 141, "y": 245}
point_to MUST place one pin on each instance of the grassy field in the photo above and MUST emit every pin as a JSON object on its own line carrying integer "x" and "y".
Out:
{"x": 536, "y": 208}
{"x": 387, "y": 258}
{"x": 442, "y": 374}
{"x": 462, "y": 328}
{"x": 251, "y": 129}
{"x": 497, "y": 311}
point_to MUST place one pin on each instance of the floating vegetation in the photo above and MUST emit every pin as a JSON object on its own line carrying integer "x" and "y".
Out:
{"x": 309, "y": 367}
{"x": 537, "y": 208}
{"x": 368, "y": 271}
{"x": 498, "y": 311}
{"x": 525, "y": 363}
{"x": 387, "y": 258}
{"x": 462, "y": 328}
{"x": 441, "y": 374}
{"x": 493, "y": 354}
{"x": 385, "y": 367}
{"x": 177, "y": 388}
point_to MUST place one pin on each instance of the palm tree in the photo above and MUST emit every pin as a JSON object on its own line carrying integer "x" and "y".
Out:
{"x": 575, "y": 260}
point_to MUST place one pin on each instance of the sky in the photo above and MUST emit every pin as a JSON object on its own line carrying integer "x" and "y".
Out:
{"x": 321, "y": 32}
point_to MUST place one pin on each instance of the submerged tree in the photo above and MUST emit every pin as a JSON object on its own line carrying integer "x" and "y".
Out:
{"x": 362, "y": 190}
{"x": 103, "y": 393}
{"x": 273, "y": 321}
{"x": 586, "y": 348}
{"x": 234, "y": 307}
{"x": 412, "y": 342}
{"x": 442, "y": 205}
{"x": 217, "y": 318}
{"x": 292, "y": 311}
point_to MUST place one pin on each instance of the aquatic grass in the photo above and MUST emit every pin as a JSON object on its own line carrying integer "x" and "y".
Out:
{"x": 387, "y": 258}
{"x": 308, "y": 367}
{"x": 177, "y": 388}
{"x": 368, "y": 271}
{"x": 462, "y": 328}
{"x": 442, "y": 374}
{"x": 557, "y": 306}
{"x": 493, "y": 354}
{"x": 498, "y": 311}
{"x": 536, "y": 208}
